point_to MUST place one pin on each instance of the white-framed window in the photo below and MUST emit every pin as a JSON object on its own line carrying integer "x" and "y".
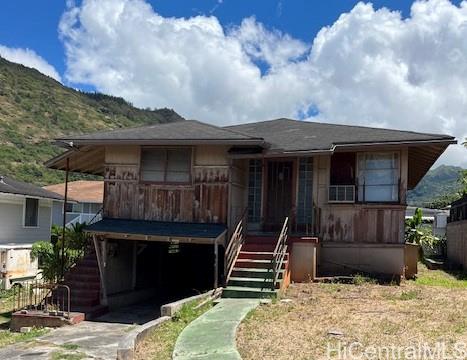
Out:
{"x": 31, "y": 212}
{"x": 378, "y": 177}
{"x": 166, "y": 165}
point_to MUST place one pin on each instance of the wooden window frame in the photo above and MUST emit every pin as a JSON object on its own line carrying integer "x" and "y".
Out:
{"x": 24, "y": 212}
{"x": 357, "y": 172}
{"x": 166, "y": 148}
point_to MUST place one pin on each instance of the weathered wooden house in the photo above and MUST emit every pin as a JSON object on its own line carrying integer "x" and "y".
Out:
{"x": 175, "y": 194}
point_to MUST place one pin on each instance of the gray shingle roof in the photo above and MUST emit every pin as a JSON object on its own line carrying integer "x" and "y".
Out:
{"x": 278, "y": 135}
{"x": 187, "y": 130}
{"x": 11, "y": 186}
{"x": 296, "y": 135}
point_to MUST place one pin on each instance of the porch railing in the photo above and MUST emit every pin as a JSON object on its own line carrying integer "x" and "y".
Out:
{"x": 235, "y": 245}
{"x": 81, "y": 218}
{"x": 39, "y": 295}
{"x": 279, "y": 252}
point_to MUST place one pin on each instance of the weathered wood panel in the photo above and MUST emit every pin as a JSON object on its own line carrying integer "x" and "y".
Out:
{"x": 362, "y": 224}
{"x": 456, "y": 236}
{"x": 238, "y": 191}
{"x": 205, "y": 200}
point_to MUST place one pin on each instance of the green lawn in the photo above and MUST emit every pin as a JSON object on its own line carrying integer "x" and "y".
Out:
{"x": 160, "y": 344}
{"x": 451, "y": 279}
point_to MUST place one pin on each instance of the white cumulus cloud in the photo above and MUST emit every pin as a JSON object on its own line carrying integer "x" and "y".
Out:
{"x": 371, "y": 67}
{"x": 29, "y": 58}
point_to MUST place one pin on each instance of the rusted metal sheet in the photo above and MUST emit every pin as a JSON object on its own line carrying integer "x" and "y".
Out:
{"x": 363, "y": 224}
{"x": 205, "y": 200}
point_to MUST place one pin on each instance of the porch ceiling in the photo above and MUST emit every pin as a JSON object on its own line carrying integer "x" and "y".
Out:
{"x": 421, "y": 159}
{"x": 183, "y": 232}
{"x": 86, "y": 159}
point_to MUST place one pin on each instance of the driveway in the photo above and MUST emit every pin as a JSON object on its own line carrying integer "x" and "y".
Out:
{"x": 91, "y": 339}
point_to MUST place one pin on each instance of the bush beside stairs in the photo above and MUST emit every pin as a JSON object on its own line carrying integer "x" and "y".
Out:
{"x": 252, "y": 275}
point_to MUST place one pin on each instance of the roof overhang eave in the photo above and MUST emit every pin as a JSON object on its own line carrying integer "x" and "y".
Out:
{"x": 17, "y": 194}
{"x": 344, "y": 146}
{"x": 161, "y": 238}
{"x": 340, "y": 147}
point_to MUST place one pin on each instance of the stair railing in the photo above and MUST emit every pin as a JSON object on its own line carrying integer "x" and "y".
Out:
{"x": 279, "y": 252}
{"x": 235, "y": 245}
{"x": 39, "y": 295}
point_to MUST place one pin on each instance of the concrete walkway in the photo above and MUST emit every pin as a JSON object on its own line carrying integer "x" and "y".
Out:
{"x": 92, "y": 340}
{"x": 212, "y": 335}
{"x": 96, "y": 340}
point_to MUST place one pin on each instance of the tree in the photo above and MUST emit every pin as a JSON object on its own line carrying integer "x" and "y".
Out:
{"x": 413, "y": 226}
{"x": 416, "y": 233}
{"x": 49, "y": 253}
{"x": 463, "y": 182}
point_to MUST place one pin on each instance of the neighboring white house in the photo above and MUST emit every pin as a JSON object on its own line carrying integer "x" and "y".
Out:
{"x": 436, "y": 217}
{"x": 25, "y": 218}
{"x": 84, "y": 202}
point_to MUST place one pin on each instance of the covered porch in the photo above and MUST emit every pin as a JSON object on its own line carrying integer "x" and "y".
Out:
{"x": 269, "y": 190}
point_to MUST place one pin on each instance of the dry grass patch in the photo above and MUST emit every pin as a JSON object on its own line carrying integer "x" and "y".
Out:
{"x": 371, "y": 314}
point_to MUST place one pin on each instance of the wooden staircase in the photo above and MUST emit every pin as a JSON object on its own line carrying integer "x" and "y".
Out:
{"x": 252, "y": 275}
{"x": 84, "y": 282}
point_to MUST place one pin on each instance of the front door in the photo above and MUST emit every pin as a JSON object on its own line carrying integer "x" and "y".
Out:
{"x": 279, "y": 190}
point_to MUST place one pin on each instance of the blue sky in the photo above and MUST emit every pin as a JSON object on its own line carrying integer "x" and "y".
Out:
{"x": 394, "y": 64}
{"x": 33, "y": 23}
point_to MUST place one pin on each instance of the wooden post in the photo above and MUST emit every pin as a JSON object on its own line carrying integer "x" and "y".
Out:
{"x": 216, "y": 263}
{"x": 135, "y": 257}
{"x": 64, "y": 217}
{"x": 100, "y": 263}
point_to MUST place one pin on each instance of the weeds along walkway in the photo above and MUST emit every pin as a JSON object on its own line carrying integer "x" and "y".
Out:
{"x": 212, "y": 335}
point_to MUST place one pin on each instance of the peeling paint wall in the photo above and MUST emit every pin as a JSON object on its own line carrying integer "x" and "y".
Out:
{"x": 205, "y": 199}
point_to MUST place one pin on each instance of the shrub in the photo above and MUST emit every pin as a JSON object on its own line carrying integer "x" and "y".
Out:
{"x": 50, "y": 256}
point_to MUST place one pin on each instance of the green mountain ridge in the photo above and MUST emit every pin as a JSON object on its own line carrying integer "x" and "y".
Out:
{"x": 439, "y": 183}
{"x": 34, "y": 109}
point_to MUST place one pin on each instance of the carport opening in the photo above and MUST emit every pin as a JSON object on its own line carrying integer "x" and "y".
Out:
{"x": 161, "y": 272}
{"x": 175, "y": 270}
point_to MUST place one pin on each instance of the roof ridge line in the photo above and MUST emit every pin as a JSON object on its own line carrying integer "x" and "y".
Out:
{"x": 341, "y": 125}
{"x": 223, "y": 128}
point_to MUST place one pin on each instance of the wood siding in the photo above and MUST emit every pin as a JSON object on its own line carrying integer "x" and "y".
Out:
{"x": 204, "y": 200}
{"x": 358, "y": 223}
{"x": 363, "y": 223}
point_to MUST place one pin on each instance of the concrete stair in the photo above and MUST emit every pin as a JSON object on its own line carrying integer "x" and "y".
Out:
{"x": 252, "y": 275}
{"x": 84, "y": 282}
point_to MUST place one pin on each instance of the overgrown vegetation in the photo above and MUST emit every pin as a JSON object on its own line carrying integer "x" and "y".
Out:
{"x": 417, "y": 233}
{"x": 160, "y": 344}
{"x": 35, "y": 109}
{"x": 49, "y": 253}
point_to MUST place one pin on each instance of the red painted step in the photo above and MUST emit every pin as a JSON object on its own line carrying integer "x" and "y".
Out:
{"x": 253, "y": 247}
{"x": 258, "y": 255}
